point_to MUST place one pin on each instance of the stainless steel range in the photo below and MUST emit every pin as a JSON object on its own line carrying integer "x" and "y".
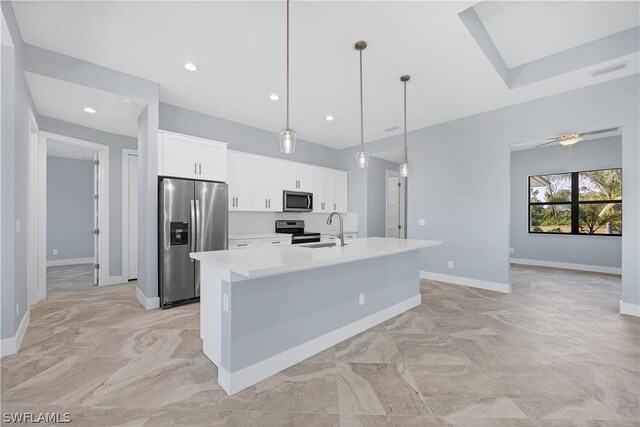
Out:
{"x": 296, "y": 229}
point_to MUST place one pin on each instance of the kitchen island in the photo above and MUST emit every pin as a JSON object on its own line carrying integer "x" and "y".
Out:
{"x": 265, "y": 309}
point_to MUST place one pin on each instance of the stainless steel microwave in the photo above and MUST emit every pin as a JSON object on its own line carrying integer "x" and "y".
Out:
{"x": 297, "y": 201}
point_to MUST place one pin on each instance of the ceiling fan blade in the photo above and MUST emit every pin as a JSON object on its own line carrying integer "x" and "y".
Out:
{"x": 547, "y": 143}
{"x": 595, "y": 132}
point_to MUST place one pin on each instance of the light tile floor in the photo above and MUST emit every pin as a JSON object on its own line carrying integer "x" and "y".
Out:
{"x": 69, "y": 278}
{"x": 554, "y": 352}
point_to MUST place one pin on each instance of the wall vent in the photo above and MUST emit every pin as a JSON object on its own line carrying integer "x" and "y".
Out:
{"x": 609, "y": 68}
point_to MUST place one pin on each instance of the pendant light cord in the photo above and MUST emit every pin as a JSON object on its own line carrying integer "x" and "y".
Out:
{"x": 361, "y": 107}
{"x": 405, "y": 122}
{"x": 288, "y": 65}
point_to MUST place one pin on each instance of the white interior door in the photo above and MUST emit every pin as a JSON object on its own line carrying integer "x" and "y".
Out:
{"x": 96, "y": 223}
{"x": 133, "y": 217}
{"x": 393, "y": 204}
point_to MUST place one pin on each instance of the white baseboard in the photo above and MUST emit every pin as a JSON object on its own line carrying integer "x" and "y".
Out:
{"x": 630, "y": 309}
{"x": 70, "y": 261}
{"x": 568, "y": 266}
{"x": 147, "y": 303}
{"x": 12, "y": 345}
{"x": 467, "y": 281}
{"x": 233, "y": 382}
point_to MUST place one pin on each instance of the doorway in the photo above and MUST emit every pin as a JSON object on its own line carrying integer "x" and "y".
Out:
{"x": 395, "y": 205}
{"x": 129, "y": 215}
{"x": 73, "y": 236}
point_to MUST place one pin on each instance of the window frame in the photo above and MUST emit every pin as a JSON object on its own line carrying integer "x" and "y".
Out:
{"x": 574, "y": 203}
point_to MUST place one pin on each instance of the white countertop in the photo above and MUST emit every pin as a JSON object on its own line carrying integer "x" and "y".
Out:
{"x": 272, "y": 260}
{"x": 257, "y": 236}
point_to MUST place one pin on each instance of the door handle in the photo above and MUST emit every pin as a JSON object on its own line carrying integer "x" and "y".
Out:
{"x": 198, "y": 243}
{"x": 266, "y": 203}
{"x": 195, "y": 168}
{"x": 193, "y": 227}
{"x": 334, "y": 206}
{"x": 269, "y": 203}
{"x": 200, "y": 168}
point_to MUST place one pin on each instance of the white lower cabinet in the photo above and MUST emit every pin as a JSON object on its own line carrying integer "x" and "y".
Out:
{"x": 262, "y": 242}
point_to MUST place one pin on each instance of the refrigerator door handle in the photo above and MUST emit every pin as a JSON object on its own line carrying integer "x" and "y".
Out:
{"x": 193, "y": 227}
{"x": 198, "y": 243}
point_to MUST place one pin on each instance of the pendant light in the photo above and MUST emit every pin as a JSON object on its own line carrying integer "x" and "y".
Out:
{"x": 287, "y": 136}
{"x": 404, "y": 167}
{"x": 362, "y": 157}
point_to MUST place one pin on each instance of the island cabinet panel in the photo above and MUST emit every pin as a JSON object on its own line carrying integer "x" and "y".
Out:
{"x": 185, "y": 156}
{"x": 264, "y": 309}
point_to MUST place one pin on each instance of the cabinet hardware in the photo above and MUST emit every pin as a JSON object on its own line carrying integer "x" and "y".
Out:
{"x": 334, "y": 206}
{"x": 274, "y": 243}
{"x": 266, "y": 203}
{"x": 195, "y": 168}
{"x": 200, "y": 168}
{"x": 269, "y": 205}
{"x": 243, "y": 244}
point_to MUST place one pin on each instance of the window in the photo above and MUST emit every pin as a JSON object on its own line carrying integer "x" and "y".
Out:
{"x": 588, "y": 202}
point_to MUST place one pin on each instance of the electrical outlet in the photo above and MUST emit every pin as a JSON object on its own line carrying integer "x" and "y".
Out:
{"x": 511, "y": 250}
{"x": 422, "y": 221}
{"x": 55, "y": 252}
{"x": 450, "y": 264}
{"x": 361, "y": 299}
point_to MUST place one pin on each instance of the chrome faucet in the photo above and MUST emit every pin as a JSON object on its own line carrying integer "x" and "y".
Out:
{"x": 340, "y": 235}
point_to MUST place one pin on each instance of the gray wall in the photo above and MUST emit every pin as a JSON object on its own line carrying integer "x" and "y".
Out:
{"x": 460, "y": 179}
{"x": 377, "y": 195}
{"x": 69, "y": 208}
{"x": 603, "y": 153}
{"x": 242, "y": 137}
{"x": 16, "y": 100}
{"x": 116, "y": 143}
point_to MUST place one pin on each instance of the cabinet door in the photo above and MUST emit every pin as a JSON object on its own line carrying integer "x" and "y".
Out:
{"x": 231, "y": 179}
{"x": 316, "y": 189}
{"x": 340, "y": 190}
{"x": 244, "y": 173}
{"x": 290, "y": 176}
{"x": 273, "y": 179}
{"x": 305, "y": 178}
{"x": 179, "y": 156}
{"x": 212, "y": 161}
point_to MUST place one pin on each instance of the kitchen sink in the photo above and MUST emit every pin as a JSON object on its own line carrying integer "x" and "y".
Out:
{"x": 320, "y": 245}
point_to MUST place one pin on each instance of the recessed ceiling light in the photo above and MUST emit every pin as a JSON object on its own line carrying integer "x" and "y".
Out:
{"x": 89, "y": 110}
{"x": 190, "y": 66}
{"x": 329, "y": 117}
{"x": 274, "y": 97}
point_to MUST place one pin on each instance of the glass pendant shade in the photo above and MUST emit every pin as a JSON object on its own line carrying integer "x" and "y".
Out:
{"x": 287, "y": 141}
{"x": 404, "y": 170}
{"x": 362, "y": 159}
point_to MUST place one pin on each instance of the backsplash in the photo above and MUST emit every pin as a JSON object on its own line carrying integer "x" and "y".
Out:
{"x": 264, "y": 222}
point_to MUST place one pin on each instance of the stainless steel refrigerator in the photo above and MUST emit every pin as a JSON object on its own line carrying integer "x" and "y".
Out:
{"x": 192, "y": 217}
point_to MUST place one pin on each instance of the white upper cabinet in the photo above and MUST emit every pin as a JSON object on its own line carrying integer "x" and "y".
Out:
{"x": 297, "y": 177}
{"x": 329, "y": 190}
{"x": 255, "y": 182}
{"x": 185, "y": 156}
{"x": 340, "y": 192}
{"x": 212, "y": 161}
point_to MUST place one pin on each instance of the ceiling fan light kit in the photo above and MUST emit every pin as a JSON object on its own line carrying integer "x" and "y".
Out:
{"x": 570, "y": 140}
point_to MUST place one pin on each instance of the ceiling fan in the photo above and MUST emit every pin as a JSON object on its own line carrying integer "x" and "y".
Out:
{"x": 573, "y": 138}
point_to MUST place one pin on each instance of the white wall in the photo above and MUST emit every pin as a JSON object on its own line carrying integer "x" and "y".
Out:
{"x": 602, "y": 153}
{"x": 69, "y": 208}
